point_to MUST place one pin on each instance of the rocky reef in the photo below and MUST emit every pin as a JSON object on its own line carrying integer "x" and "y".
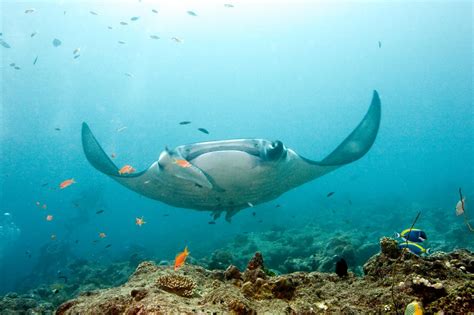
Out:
{"x": 13, "y": 304}
{"x": 393, "y": 279}
{"x": 79, "y": 276}
{"x": 289, "y": 250}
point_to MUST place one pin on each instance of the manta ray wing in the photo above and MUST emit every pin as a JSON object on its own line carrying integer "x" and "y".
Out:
{"x": 101, "y": 161}
{"x": 355, "y": 146}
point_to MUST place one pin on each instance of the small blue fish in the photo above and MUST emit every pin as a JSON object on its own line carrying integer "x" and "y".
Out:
{"x": 415, "y": 235}
{"x": 415, "y": 248}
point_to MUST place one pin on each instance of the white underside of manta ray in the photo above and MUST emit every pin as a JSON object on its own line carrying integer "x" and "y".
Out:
{"x": 230, "y": 175}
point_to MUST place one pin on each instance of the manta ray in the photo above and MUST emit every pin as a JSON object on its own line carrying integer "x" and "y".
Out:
{"x": 231, "y": 175}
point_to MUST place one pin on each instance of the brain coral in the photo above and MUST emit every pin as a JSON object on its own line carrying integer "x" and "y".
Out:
{"x": 177, "y": 284}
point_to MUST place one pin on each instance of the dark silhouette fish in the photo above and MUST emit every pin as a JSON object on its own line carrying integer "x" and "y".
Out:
{"x": 211, "y": 222}
{"x": 36, "y": 59}
{"x": 186, "y": 122}
{"x": 134, "y": 18}
{"x": 108, "y": 245}
{"x": 4, "y": 44}
{"x": 341, "y": 267}
{"x": 330, "y": 194}
{"x": 56, "y": 42}
{"x": 100, "y": 211}
{"x": 63, "y": 277}
{"x": 203, "y": 130}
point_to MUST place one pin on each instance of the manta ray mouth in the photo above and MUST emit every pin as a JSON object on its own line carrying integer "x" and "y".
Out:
{"x": 275, "y": 151}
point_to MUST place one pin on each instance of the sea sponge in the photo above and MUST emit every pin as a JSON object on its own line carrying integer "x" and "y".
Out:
{"x": 427, "y": 291}
{"x": 177, "y": 284}
{"x": 232, "y": 272}
{"x": 389, "y": 247}
{"x": 255, "y": 262}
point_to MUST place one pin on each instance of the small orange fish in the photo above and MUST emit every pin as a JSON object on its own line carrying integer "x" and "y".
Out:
{"x": 139, "y": 221}
{"x": 181, "y": 258}
{"x": 102, "y": 235}
{"x": 182, "y": 163}
{"x": 49, "y": 217}
{"x": 67, "y": 183}
{"x": 127, "y": 169}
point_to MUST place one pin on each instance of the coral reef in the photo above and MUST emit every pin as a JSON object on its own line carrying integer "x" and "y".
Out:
{"x": 177, "y": 284}
{"x": 79, "y": 277}
{"x": 13, "y": 303}
{"x": 308, "y": 249}
{"x": 443, "y": 282}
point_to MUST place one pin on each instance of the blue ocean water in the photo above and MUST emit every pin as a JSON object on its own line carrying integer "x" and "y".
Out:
{"x": 302, "y": 72}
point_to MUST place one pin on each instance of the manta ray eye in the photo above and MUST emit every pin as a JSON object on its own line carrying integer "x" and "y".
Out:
{"x": 275, "y": 150}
